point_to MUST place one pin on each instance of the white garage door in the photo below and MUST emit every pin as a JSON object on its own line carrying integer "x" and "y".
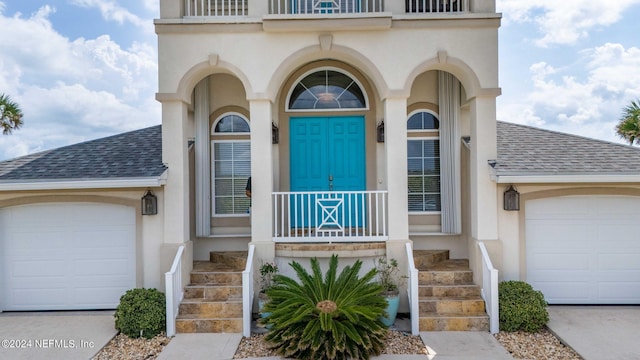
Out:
{"x": 584, "y": 249}
{"x": 64, "y": 256}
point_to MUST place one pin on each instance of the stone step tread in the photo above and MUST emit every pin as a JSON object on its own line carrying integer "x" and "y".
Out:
{"x": 448, "y": 265}
{"x": 212, "y": 285}
{"x": 209, "y": 267}
{"x": 200, "y": 317}
{"x": 433, "y": 315}
{"x": 206, "y": 301}
{"x": 450, "y": 298}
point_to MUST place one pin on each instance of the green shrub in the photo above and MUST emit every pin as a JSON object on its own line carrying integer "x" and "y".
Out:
{"x": 521, "y": 307}
{"x": 326, "y": 319}
{"x": 141, "y": 313}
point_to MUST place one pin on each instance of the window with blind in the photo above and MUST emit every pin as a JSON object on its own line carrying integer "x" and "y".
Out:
{"x": 423, "y": 162}
{"x": 231, "y": 166}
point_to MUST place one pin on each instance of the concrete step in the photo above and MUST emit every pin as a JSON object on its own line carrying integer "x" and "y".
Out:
{"x": 451, "y": 305}
{"x": 454, "y": 322}
{"x": 194, "y": 324}
{"x": 203, "y": 308}
{"x": 213, "y": 292}
{"x": 438, "y": 290}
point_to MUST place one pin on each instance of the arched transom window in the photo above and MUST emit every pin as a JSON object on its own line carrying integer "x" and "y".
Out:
{"x": 423, "y": 162}
{"x": 231, "y": 165}
{"x": 327, "y": 89}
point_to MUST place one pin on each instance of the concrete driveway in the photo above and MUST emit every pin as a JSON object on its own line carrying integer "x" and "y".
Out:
{"x": 598, "y": 332}
{"x": 55, "y": 335}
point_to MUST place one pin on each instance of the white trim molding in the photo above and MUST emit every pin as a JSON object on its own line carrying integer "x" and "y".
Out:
{"x": 116, "y": 183}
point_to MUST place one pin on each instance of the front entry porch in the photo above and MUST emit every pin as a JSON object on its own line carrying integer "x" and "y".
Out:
{"x": 220, "y": 294}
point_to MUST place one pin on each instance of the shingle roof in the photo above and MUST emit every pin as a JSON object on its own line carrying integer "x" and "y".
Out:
{"x": 135, "y": 154}
{"x": 525, "y": 150}
{"x": 522, "y": 150}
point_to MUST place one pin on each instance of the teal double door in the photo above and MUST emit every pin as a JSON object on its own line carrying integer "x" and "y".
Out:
{"x": 327, "y": 154}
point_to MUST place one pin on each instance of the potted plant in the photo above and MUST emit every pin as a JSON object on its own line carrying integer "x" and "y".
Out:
{"x": 267, "y": 271}
{"x": 390, "y": 280}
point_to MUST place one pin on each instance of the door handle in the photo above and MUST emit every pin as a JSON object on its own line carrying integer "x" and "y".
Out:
{"x": 330, "y": 182}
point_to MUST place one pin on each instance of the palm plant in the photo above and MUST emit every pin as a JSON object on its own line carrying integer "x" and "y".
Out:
{"x": 325, "y": 319}
{"x": 10, "y": 115}
{"x": 629, "y": 126}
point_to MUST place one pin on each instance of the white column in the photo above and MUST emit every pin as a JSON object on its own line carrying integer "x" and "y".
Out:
{"x": 203, "y": 164}
{"x": 395, "y": 128}
{"x": 484, "y": 211}
{"x": 174, "y": 155}
{"x": 261, "y": 178}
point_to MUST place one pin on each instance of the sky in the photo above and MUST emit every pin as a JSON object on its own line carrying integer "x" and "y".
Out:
{"x": 86, "y": 69}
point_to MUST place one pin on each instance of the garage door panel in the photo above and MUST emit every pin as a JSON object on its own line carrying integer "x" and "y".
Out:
{"x": 622, "y": 292}
{"x": 584, "y": 249}
{"x": 79, "y": 256}
{"x": 108, "y": 267}
{"x": 621, "y": 262}
{"x": 546, "y": 232}
{"x": 560, "y": 261}
{"x": 569, "y": 291}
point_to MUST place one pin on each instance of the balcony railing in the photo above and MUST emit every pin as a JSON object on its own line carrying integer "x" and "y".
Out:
{"x": 299, "y": 7}
{"x": 332, "y": 216}
{"x": 239, "y": 8}
{"x": 436, "y": 6}
{"x": 216, "y": 8}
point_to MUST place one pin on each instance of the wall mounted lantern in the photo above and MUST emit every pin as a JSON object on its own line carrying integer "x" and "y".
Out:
{"x": 380, "y": 136}
{"x": 149, "y": 204}
{"x": 511, "y": 199}
{"x": 275, "y": 134}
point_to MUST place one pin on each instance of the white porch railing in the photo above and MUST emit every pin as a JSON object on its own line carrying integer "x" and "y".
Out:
{"x": 436, "y": 6}
{"x": 174, "y": 291}
{"x": 288, "y": 7}
{"x": 218, "y": 8}
{"x": 247, "y": 292}
{"x": 331, "y": 216}
{"x": 490, "y": 289}
{"x": 412, "y": 291}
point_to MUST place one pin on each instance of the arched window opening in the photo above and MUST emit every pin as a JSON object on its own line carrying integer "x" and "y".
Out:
{"x": 231, "y": 166}
{"x": 327, "y": 90}
{"x": 423, "y": 163}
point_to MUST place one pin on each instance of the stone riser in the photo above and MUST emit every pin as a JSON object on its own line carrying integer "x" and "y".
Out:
{"x": 448, "y": 290}
{"x": 453, "y": 323}
{"x": 209, "y": 325}
{"x": 234, "y": 259}
{"x": 214, "y": 293}
{"x": 426, "y": 258}
{"x": 211, "y": 309}
{"x": 451, "y": 306}
{"x": 216, "y": 278}
{"x": 464, "y": 277}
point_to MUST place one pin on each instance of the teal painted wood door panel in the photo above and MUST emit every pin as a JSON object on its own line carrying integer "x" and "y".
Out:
{"x": 327, "y": 154}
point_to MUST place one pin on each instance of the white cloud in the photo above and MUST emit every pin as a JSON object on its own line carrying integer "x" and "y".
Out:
{"x": 589, "y": 106}
{"x": 111, "y": 11}
{"x": 72, "y": 90}
{"x": 566, "y": 21}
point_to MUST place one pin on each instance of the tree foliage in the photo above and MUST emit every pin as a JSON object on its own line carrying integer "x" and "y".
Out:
{"x": 629, "y": 126}
{"x": 335, "y": 317}
{"x": 10, "y": 114}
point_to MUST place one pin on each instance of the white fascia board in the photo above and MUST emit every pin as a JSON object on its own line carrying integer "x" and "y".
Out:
{"x": 548, "y": 179}
{"x": 85, "y": 184}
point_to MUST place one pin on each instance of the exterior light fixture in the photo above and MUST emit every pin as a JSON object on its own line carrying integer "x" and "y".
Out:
{"x": 275, "y": 134}
{"x": 380, "y": 136}
{"x": 511, "y": 199}
{"x": 149, "y": 204}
